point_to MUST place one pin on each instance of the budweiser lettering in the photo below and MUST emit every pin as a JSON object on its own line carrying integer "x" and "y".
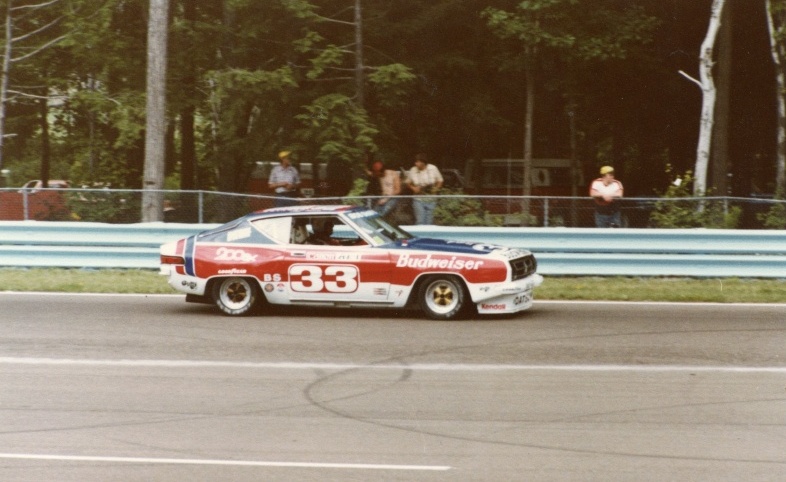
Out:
{"x": 427, "y": 261}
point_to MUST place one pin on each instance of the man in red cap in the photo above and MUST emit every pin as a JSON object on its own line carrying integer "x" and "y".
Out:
{"x": 606, "y": 191}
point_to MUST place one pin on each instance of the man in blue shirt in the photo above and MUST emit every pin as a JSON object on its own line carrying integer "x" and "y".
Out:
{"x": 284, "y": 180}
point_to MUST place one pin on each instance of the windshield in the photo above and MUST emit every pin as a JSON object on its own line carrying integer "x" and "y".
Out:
{"x": 377, "y": 228}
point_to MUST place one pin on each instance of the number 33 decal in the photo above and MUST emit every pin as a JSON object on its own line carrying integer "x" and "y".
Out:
{"x": 323, "y": 279}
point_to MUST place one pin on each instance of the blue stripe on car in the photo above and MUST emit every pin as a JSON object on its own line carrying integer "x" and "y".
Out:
{"x": 189, "y": 255}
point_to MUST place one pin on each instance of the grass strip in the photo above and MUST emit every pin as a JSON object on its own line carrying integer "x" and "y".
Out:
{"x": 617, "y": 288}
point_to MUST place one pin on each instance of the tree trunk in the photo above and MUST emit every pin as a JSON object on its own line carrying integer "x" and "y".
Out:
{"x": 776, "y": 25}
{"x": 9, "y": 34}
{"x": 155, "y": 135}
{"x": 526, "y": 188}
{"x": 719, "y": 154}
{"x": 187, "y": 137}
{"x": 709, "y": 94}
{"x": 46, "y": 152}
{"x": 359, "y": 67}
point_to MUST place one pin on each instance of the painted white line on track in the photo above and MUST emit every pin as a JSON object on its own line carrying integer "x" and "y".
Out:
{"x": 536, "y": 301}
{"x": 240, "y": 463}
{"x": 385, "y": 366}
{"x": 660, "y": 303}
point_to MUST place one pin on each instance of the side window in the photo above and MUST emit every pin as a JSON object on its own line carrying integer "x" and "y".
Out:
{"x": 277, "y": 229}
{"x": 332, "y": 231}
{"x": 299, "y": 233}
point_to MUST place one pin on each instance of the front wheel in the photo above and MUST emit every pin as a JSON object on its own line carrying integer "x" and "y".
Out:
{"x": 235, "y": 296}
{"x": 443, "y": 298}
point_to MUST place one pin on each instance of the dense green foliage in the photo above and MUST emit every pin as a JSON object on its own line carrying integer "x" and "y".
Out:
{"x": 672, "y": 212}
{"x": 248, "y": 78}
{"x": 775, "y": 217}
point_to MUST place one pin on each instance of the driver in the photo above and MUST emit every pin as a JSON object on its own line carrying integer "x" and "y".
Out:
{"x": 323, "y": 233}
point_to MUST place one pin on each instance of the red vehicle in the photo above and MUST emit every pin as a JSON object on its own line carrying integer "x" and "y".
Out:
{"x": 344, "y": 256}
{"x": 500, "y": 182}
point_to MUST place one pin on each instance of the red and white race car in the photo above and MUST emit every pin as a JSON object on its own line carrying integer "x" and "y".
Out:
{"x": 345, "y": 256}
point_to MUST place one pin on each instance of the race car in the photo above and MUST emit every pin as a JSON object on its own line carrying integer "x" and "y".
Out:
{"x": 345, "y": 256}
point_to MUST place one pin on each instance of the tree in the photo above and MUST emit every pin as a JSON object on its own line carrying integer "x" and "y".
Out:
{"x": 568, "y": 30}
{"x": 776, "y": 23}
{"x": 155, "y": 146}
{"x": 709, "y": 94}
{"x": 34, "y": 30}
{"x": 337, "y": 58}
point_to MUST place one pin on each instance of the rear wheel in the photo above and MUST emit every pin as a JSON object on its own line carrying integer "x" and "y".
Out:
{"x": 443, "y": 297}
{"x": 236, "y": 296}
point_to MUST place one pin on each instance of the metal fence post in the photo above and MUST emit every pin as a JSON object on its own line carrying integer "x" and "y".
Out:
{"x": 25, "y": 205}
{"x": 201, "y": 207}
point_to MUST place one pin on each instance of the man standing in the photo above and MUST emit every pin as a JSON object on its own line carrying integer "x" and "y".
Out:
{"x": 423, "y": 179}
{"x": 284, "y": 180}
{"x": 606, "y": 191}
{"x": 389, "y": 181}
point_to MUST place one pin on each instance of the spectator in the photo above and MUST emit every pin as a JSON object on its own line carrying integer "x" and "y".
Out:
{"x": 606, "y": 191}
{"x": 424, "y": 178}
{"x": 389, "y": 182}
{"x": 284, "y": 180}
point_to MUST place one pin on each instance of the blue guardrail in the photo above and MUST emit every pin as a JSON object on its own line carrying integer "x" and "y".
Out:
{"x": 560, "y": 251}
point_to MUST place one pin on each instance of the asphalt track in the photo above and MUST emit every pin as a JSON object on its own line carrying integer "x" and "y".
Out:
{"x": 138, "y": 388}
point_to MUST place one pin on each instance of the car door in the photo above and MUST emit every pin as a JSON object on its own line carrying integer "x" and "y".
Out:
{"x": 337, "y": 273}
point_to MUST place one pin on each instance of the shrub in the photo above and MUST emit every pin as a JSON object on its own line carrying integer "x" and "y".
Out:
{"x": 680, "y": 209}
{"x": 775, "y": 217}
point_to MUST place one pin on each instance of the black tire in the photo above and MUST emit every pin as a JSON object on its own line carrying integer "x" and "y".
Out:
{"x": 236, "y": 296}
{"x": 443, "y": 297}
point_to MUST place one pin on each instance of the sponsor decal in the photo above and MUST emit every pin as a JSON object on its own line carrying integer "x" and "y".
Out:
{"x": 227, "y": 254}
{"x": 477, "y": 246}
{"x": 484, "y": 247}
{"x": 307, "y": 278}
{"x": 271, "y": 277}
{"x": 494, "y": 306}
{"x": 269, "y": 288}
{"x": 333, "y": 256}
{"x": 280, "y": 287}
{"x": 232, "y": 271}
{"x": 510, "y": 253}
{"x": 361, "y": 214}
{"x": 238, "y": 234}
{"x": 523, "y": 298}
{"x": 427, "y": 261}
{"x": 380, "y": 292}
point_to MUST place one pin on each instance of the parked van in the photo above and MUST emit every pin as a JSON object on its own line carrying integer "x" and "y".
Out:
{"x": 502, "y": 181}
{"x": 32, "y": 202}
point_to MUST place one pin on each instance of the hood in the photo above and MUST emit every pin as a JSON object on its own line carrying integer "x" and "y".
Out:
{"x": 446, "y": 246}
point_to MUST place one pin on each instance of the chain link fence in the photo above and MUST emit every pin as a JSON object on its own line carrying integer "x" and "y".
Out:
{"x": 120, "y": 206}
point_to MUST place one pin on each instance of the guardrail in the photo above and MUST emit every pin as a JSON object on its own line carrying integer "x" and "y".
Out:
{"x": 560, "y": 251}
